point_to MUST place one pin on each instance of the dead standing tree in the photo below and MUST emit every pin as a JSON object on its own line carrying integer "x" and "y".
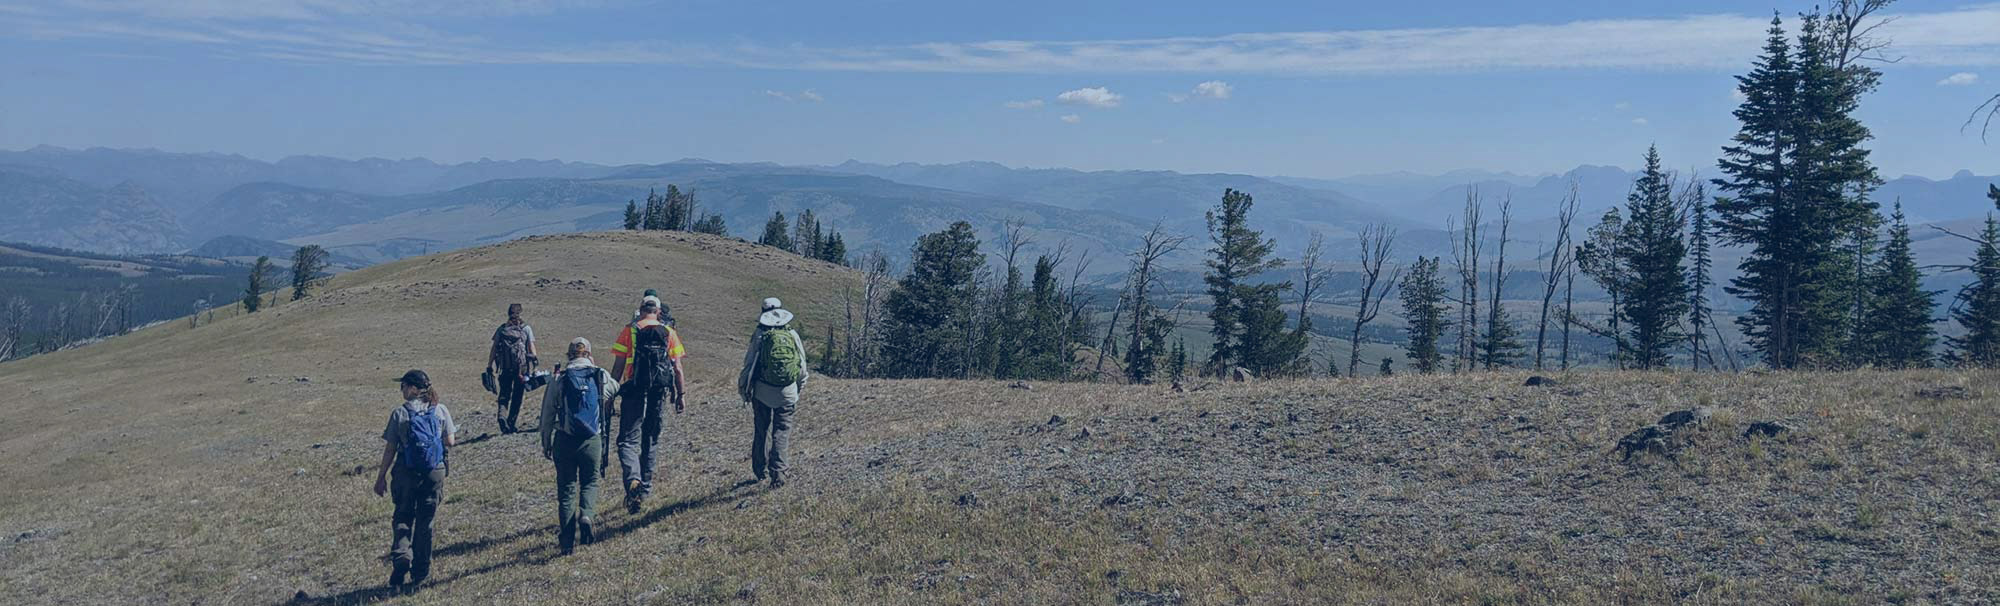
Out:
{"x": 1465, "y": 259}
{"x": 1562, "y": 261}
{"x": 1145, "y": 261}
{"x": 1377, "y": 242}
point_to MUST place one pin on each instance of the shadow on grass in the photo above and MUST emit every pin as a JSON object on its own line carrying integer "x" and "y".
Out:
{"x": 540, "y": 553}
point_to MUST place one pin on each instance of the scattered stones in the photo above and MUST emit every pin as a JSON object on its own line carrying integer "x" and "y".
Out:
{"x": 358, "y": 470}
{"x": 1769, "y": 429}
{"x": 1678, "y": 418}
{"x": 1133, "y": 597}
{"x": 749, "y": 591}
{"x": 301, "y": 596}
{"x": 1083, "y": 435}
{"x": 303, "y": 379}
{"x": 742, "y": 505}
{"x": 1540, "y": 381}
{"x": 1055, "y": 420}
{"x": 1947, "y": 392}
{"x": 1241, "y": 375}
{"x": 1021, "y": 385}
{"x": 968, "y": 501}
{"x": 1651, "y": 438}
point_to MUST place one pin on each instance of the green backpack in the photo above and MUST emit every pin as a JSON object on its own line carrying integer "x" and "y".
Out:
{"x": 780, "y": 364}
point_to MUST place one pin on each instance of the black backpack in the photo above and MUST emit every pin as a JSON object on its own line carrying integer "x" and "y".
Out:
{"x": 510, "y": 348}
{"x": 652, "y": 367}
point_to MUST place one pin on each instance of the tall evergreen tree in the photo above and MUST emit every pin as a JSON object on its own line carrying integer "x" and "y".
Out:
{"x": 631, "y": 215}
{"x": 1598, "y": 258}
{"x": 1499, "y": 341}
{"x": 258, "y": 284}
{"x": 677, "y": 209}
{"x": 1897, "y": 330}
{"x": 776, "y": 232}
{"x": 1650, "y": 251}
{"x": 1266, "y": 347}
{"x": 1978, "y": 307}
{"x": 1047, "y": 325}
{"x": 1177, "y": 361}
{"x": 1423, "y": 293}
{"x": 833, "y": 249}
{"x": 933, "y": 308}
{"x": 805, "y": 235}
{"x": 656, "y": 212}
{"x": 308, "y": 266}
{"x": 1797, "y": 186}
{"x": 1236, "y": 254}
{"x": 712, "y": 224}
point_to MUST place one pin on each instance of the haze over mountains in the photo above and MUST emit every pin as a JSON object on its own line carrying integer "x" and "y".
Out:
{"x": 373, "y": 210}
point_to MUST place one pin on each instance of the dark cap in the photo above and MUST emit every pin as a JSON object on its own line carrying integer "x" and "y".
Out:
{"x": 415, "y": 378}
{"x": 649, "y": 293}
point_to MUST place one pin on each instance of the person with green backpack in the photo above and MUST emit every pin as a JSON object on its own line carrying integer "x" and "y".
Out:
{"x": 575, "y": 423}
{"x": 774, "y": 371}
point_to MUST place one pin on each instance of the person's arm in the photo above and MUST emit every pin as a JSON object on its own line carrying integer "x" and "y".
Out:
{"x": 680, "y": 386}
{"x": 382, "y": 471}
{"x": 548, "y": 424}
{"x": 531, "y": 341}
{"x": 619, "y": 349}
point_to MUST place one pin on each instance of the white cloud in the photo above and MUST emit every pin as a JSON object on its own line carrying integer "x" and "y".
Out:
{"x": 1959, "y": 79}
{"x": 781, "y": 96}
{"x": 334, "y": 31}
{"x": 1096, "y": 96}
{"x": 1072, "y": 118}
{"x": 1029, "y": 104}
{"x": 1213, "y": 89}
{"x": 1640, "y": 121}
{"x": 812, "y": 95}
{"x": 1622, "y": 105}
{"x": 1736, "y": 94}
{"x": 808, "y": 95}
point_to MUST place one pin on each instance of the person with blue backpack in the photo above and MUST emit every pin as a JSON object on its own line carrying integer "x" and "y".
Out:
{"x": 413, "y": 469}
{"x": 576, "y": 412}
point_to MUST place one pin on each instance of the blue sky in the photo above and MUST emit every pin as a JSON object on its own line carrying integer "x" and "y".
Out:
{"x": 1294, "y": 88}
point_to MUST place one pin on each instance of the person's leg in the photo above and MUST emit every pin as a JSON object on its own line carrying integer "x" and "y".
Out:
{"x": 520, "y": 389}
{"x": 403, "y": 494}
{"x": 649, "y": 442}
{"x": 566, "y": 485}
{"x": 630, "y": 413}
{"x": 587, "y": 474}
{"x": 761, "y": 424}
{"x": 430, "y": 493}
{"x": 781, "y": 440}
{"x": 507, "y": 384}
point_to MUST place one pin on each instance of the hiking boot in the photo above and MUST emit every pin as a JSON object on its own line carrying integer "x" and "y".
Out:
{"x": 396, "y": 578}
{"x": 584, "y": 535}
{"x": 777, "y": 480}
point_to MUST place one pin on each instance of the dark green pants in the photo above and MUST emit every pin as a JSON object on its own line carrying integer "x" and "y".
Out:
{"x": 417, "y": 495}
{"x": 577, "y": 472}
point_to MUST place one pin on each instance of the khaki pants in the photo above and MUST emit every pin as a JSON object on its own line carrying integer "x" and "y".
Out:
{"x": 772, "y": 410}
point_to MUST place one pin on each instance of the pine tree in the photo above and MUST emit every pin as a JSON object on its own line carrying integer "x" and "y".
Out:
{"x": 1500, "y": 342}
{"x": 712, "y": 224}
{"x": 677, "y": 209}
{"x": 656, "y": 212}
{"x": 631, "y": 215}
{"x": 1267, "y": 348}
{"x": 1177, "y": 361}
{"x": 1387, "y": 368}
{"x": 253, "y": 292}
{"x": 1797, "y": 186}
{"x": 1047, "y": 325}
{"x": 933, "y": 308}
{"x": 833, "y": 249}
{"x": 776, "y": 232}
{"x": 308, "y": 266}
{"x": 1237, "y": 254}
{"x": 1897, "y": 330}
{"x": 805, "y": 235}
{"x": 1978, "y": 306}
{"x": 1597, "y": 257}
{"x": 1424, "y": 310}
{"x": 1649, "y": 250}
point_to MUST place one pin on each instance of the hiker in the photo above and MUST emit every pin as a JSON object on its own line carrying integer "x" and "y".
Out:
{"x": 666, "y": 313}
{"x": 647, "y": 364}
{"x": 774, "y": 370}
{"x": 416, "y": 442}
{"x": 511, "y": 359}
{"x": 576, "y": 412}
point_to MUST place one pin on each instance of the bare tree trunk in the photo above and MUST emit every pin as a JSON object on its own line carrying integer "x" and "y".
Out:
{"x": 1155, "y": 245}
{"x": 1465, "y": 258}
{"x": 1493, "y": 315}
{"x": 1559, "y": 261}
{"x": 1569, "y": 310}
{"x": 1377, "y": 242}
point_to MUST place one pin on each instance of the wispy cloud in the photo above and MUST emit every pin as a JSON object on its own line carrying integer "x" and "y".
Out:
{"x": 779, "y": 95}
{"x": 1212, "y": 89}
{"x": 808, "y": 95}
{"x": 338, "y": 31}
{"x": 1072, "y": 118}
{"x": 1096, "y": 96}
{"x": 1960, "y": 79}
{"x": 1641, "y": 121}
{"x": 1622, "y": 105}
{"x": 1028, "y": 104}
{"x": 812, "y": 95}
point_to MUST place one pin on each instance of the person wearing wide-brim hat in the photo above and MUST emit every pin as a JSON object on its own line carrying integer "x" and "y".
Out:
{"x": 774, "y": 371}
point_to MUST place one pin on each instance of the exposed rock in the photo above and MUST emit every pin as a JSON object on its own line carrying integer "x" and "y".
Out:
{"x": 968, "y": 500}
{"x": 1055, "y": 420}
{"x": 1133, "y": 597}
{"x": 1651, "y": 438}
{"x": 1947, "y": 392}
{"x": 1083, "y": 435}
{"x": 1769, "y": 429}
{"x": 1241, "y": 375}
{"x": 1022, "y": 385}
{"x": 1540, "y": 381}
{"x": 1694, "y": 416}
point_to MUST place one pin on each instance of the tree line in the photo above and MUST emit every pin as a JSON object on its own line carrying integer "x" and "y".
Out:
{"x": 675, "y": 210}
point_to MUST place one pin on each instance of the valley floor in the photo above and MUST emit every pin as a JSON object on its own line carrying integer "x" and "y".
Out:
{"x": 1400, "y": 490}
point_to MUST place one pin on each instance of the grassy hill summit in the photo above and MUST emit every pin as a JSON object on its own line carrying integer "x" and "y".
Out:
{"x": 230, "y": 463}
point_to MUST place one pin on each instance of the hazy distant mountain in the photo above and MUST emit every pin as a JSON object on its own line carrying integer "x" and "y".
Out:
{"x": 185, "y": 183}
{"x": 244, "y": 249}
{"x": 1287, "y": 212}
{"x": 1391, "y": 189}
{"x": 46, "y": 209}
{"x": 1924, "y": 200}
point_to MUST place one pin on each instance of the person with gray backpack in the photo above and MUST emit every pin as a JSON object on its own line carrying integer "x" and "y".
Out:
{"x": 414, "y": 453}
{"x": 576, "y": 419}
{"x": 774, "y": 371}
{"x": 510, "y": 361}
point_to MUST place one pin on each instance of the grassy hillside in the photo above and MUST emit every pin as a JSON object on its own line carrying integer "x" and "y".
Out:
{"x": 219, "y": 466}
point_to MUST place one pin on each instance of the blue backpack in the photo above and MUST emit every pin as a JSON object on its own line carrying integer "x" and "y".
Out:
{"x": 423, "y": 448}
{"x": 581, "y": 400}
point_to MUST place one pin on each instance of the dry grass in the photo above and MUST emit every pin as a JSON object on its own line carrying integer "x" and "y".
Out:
{"x": 149, "y": 471}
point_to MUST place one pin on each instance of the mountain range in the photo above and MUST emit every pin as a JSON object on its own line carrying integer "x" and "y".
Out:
{"x": 373, "y": 210}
